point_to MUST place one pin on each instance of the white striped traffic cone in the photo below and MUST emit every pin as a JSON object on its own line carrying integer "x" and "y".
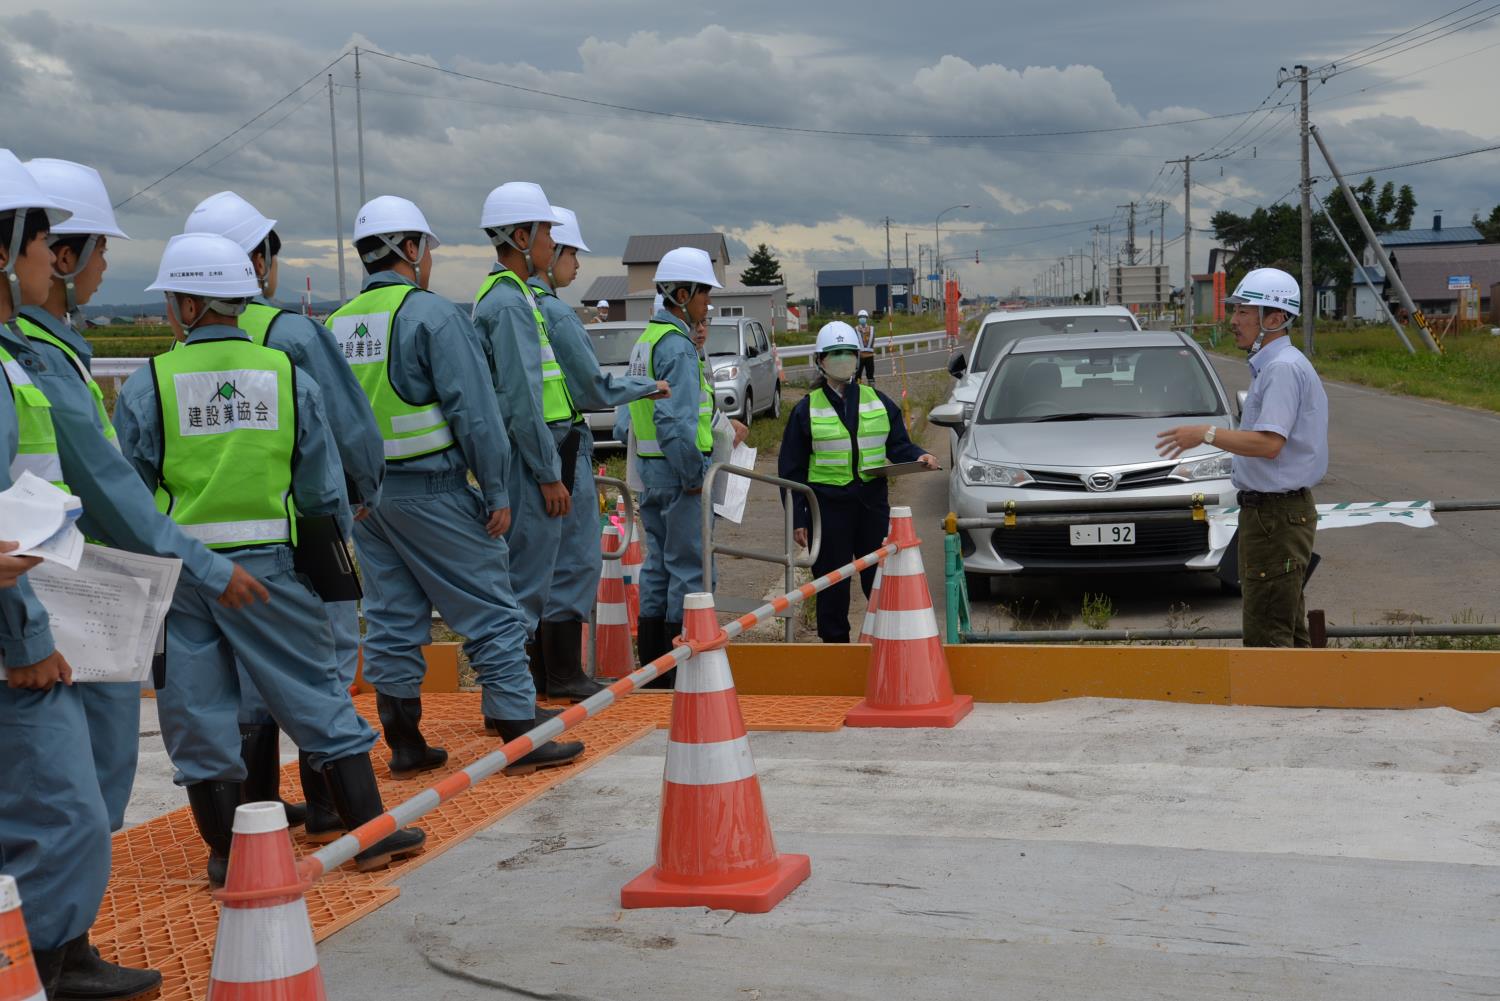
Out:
{"x": 714, "y": 846}
{"x": 630, "y": 569}
{"x": 264, "y": 950}
{"x": 867, "y": 630}
{"x": 908, "y": 683}
{"x": 613, "y": 653}
{"x": 18, "y": 978}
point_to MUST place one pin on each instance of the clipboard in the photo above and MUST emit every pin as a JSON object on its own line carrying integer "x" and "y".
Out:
{"x": 902, "y": 469}
{"x": 321, "y": 556}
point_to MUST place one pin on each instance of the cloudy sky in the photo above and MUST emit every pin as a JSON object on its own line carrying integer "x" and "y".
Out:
{"x": 141, "y": 89}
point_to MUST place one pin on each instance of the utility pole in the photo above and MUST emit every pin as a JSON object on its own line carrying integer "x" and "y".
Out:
{"x": 1187, "y": 239}
{"x": 338, "y": 202}
{"x": 1364, "y": 275}
{"x": 890, "y": 286}
{"x": 1130, "y": 234}
{"x": 910, "y": 298}
{"x": 1161, "y": 208}
{"x": 1299, "y": 74}
{"x": 359, "y": 128}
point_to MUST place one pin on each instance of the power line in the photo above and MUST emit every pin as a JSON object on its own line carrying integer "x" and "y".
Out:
{"x": 1417, "y": 41}
{"x": 1408, "y": 31}
{"x": 1431, "y": 159}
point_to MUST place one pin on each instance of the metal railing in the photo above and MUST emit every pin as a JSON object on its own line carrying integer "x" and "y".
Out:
{"x": 1183, "y": 635}
{"x": 787, "y": 558}
{"x": 900, "y": 343}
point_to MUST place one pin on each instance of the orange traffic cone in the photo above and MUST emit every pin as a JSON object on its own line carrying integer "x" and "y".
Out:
{"x": 630, "y": 570}
{"x": 714, "y": 845}
{"x": 867, "y": 630}
{"x": 18, "y": 979}
{"x": 264, "y": 950}
{"x": 908, "y": 683}
{"x": 613, "y": 655}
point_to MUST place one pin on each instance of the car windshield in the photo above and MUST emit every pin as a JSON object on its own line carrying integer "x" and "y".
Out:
{"x": 723, "y": 339}
{"x": 999, "y": 333}
{"x": 612, "y": 346}
{"x": 1097, "y": 384}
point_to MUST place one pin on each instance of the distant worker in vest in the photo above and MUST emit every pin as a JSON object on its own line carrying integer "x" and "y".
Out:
{"x": 835, "y": 437}
{"x": 866, "y": 331}
{"x": 557, "y": 657}
{"x": 312, "y": 349}
{"x": 54, "y": 819}
{"x": 674, "y": 439}
{"x": 233, "y": 440}
{"x": 1278, "y": 454}
{"x": 434, "y": 540}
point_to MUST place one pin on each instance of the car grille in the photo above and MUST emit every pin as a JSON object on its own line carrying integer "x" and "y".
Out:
{"x": 1158, "y": 543}
{"x": 1134, "y": 480}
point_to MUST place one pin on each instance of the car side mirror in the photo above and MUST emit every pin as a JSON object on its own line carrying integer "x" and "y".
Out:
{"x": 947, "y": 415}
{"x": 957, "y": 364}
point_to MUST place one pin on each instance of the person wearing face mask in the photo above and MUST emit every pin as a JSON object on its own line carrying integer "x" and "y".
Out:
{"x": 835, "y": 436}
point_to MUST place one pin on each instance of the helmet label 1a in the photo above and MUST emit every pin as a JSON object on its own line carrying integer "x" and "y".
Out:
{"x": 219, "y": 402}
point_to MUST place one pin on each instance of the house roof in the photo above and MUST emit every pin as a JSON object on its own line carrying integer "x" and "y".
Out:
{"x": 1425, "y": 270}
{"x": 1374, "y": 272}
{"x": 1420, "y": 237}
{"x": 865, "y": 276}
{"x": 649, "y": 249}
{"x": 607, "y": 287}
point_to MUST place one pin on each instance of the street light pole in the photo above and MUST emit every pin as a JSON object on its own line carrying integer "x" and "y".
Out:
{"x": 937, "y": 239}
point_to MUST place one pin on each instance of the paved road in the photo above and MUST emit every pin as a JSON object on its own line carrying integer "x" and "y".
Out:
{"x": 1383, "y": 447}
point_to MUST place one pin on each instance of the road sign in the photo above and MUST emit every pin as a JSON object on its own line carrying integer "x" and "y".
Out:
{"x": 898, "y": 290}
{"x": 1457, "y": 282}
{"x": 933, "y": 277}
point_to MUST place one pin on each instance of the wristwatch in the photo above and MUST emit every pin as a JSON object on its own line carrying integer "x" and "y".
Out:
{"x": 1208, "y": 436}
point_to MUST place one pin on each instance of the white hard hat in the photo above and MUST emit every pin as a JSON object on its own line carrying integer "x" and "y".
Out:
{"x": 79, "y": 188}
{"x": 602, "y": 304}
{"x": 19, "y": 190}
{"x": 1268, "y": 287}
{"x": 837, "y": 334}
{"x": 864, "y": 313}
{"x": 227, "y": 214}
{"x": 514, "y": 203}
{"x": 687, "y": 264}
{"x": 208, "y": 265}
{"x": 389, "y": 214}
{"x": 566, "y": 233}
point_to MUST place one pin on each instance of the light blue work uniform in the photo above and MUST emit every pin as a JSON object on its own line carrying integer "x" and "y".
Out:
{"x": 424, "y": 545}
{"x": 285, "y": 645}
{"x": 118, "y": 512}
{"x": 575, "y": 578}
{"x": 1287, "y": 398}
{"x": 674, "y": 559}
{"x": 54, "y": 834}
{"x": 357, "y": 439}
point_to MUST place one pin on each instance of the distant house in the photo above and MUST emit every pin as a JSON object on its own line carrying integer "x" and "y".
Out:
{"x": 1366, "y": 303}
{"x": 1426, "y": 271}
{"x": 611, "y": 289}
{"x": 1437, "y": 236}
{"x": 644, "y": 253}
{"x": 849, "y": 290}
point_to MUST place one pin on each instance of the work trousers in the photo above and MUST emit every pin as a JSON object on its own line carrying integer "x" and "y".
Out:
{"x": 674, "y": 550}
{"x": 343, "y": 619}
{"x": 54, "y": 827}
{"x": 867, "y": 369}
{"x": 286, "y": 647}
{"x": 534, "y": 538}
{"x": 1276, "y": 544}
{"x": 850, "y": 529}
{"x": 114, "y": 715}
{"x": 575, "y": 577}
{"x": 425, "y": 547}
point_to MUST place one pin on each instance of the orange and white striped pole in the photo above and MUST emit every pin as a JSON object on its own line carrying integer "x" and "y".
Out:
{"x": 630, "y": 567}
{"x": 264, "y": 950}
{"x": 872, "y": 605}
{"x": 714, "y": 846}
{"x": 908, "y": 683}
{"x": 613, "y": 652}
{"x": 18, "y": 977}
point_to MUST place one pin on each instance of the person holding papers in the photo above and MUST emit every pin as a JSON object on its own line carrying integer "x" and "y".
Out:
{"x": 232, "y": 438}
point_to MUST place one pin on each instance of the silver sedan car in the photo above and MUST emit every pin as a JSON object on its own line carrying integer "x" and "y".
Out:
{"x": 1074, "y": 418}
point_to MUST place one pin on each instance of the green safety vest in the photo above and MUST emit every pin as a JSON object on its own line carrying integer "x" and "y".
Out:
{"x": 228, "y": 411}
{"x": 37, "y": 332}
{"x": 256, "y": 321}
{"x": 643, "y": 412}
{"x": 833, "y": 453}
{"x": 36, "y": 451}
{"x": 557, "y": 402}
{"x": 365, "y": 331}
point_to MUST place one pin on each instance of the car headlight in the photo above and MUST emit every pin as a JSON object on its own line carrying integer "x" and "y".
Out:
{"x": 1215, "y": 467}
{"x": 727, "y": 372}
{"x": 990, "y": 474}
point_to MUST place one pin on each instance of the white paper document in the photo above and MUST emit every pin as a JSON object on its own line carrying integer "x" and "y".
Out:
{"x": 106, "y": 616}
{"x": 39, "y": 518}
{"x": 736, "y": 488}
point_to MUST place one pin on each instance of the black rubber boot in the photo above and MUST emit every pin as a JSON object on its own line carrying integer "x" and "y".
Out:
{"x": 49, "y": 964}
{"x": 543, "y": 714}
{"x": 87, "y": 976}
{"x": 549, "y": 755}
{"x": 650, "y": 639}
{"x": 351, "y": 780}
{"x": 323, "y": 821}
{"x": 213, "y": 805}
{"x": 562, "y": 643}
{"x": 260, "y": 747}
{"x": 410, "y": 754}
{"x": 668, "y": 678}
{"x": 535, "y": 658}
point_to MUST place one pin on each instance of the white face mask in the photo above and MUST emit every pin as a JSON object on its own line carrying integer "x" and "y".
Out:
{"x": 841, "y": 366}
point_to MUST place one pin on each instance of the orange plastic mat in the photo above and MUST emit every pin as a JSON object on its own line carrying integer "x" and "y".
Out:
{"x": 158, "y": 912}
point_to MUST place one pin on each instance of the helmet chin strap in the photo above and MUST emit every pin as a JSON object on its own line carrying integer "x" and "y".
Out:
{"x": 1260, "y": 338}
{"x": 394, "y": 246}
{"x": 70, "y": 290}
{"x": 226, "y": 307}
{"x": 508, "y": 239}
{"x": 14, "y": 280}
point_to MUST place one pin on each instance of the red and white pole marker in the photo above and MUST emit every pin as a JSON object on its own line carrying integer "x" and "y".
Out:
{"x": 908, "y": 683}
{"x": 630, "y": 569}
{"x": 613, "y": 654}
{"x": 714, "y": 846}
{"x": 18, "y": 977}
{"x": 264, "y": 950}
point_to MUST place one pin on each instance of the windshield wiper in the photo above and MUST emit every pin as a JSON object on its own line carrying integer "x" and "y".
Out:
{"x": 1190, "y": 413}
{"x": 1077, "y": 417}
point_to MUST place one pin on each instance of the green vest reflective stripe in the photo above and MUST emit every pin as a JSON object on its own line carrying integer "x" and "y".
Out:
{"x": 229, "y": 430}
{"x": 365, "y": 331}
{"x": 37, "y": 332}
{"x": 256, "y": 321}
{"x": 643, "y": 412}
{"x": 557, "y": 402}
{"x": 36, "y": 452}
{"x": 832, "y": 454}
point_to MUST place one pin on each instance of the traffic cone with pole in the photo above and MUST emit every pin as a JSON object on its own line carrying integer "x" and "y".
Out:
{"x": 18, "y": 976}
{"x": 867, "y": 630}
{"x": 613, "y": 652}
{"x": 714, "y": 846}
{"x": 908, "y": 683}
{"x": 630, "y": 567}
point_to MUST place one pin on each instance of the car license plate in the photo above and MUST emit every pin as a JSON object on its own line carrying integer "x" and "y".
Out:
{"x": 1121, "y": 534}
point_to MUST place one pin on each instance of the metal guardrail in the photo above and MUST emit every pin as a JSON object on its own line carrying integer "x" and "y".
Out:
{"x": 900, "y": 343}
{"x": 787, "y": 558}
{"x": 115, "y": 370}
{"x": 1178, "y": 635}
